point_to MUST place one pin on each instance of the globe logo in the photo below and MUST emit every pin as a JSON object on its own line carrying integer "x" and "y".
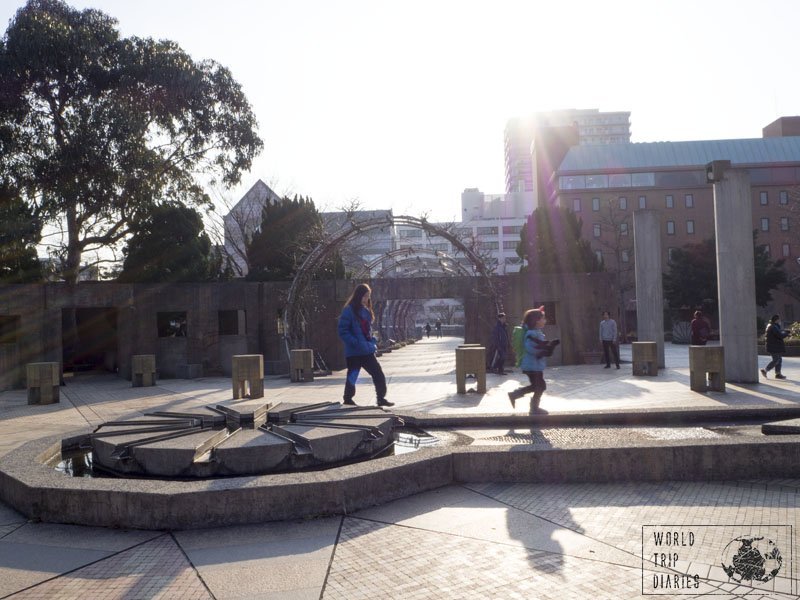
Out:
{"x": 750, "y": 558}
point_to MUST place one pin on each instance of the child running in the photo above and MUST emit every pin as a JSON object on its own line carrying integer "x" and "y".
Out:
{"x": 537, "y": 348}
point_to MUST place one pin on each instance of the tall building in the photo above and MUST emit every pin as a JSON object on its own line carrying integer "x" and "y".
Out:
{"x": 535, "y": 145}
{"x": 670, "y": 177}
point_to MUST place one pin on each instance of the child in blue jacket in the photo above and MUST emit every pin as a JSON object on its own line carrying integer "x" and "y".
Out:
{"x": 534, "y": 360}
{"x": 355, "y": 330}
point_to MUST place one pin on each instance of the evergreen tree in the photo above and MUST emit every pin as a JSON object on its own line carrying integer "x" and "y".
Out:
{"x": 691, "y": 277}
{"x": 168, "y": 245}
{"x": 289, "y": 230}
{"x": 19, "y": 234}
{"x": 97, "y": 129}
{"x": 551, "y": 242}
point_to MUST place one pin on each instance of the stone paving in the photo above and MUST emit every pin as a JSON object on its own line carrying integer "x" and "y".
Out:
{"x": 461, "y": 541}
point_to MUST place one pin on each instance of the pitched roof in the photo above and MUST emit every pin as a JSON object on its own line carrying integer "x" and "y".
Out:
{"x": 694, "y": 154}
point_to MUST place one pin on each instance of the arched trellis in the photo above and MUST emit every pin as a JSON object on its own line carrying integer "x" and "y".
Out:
{"x": 430, "y": 259}
{"x": 293, "y": 320}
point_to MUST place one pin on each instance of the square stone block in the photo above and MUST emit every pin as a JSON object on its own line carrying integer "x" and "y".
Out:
{"x": 42, "y": 380}
{"x": 247, "y": 371}
{"x": 707, "y": 368}
{"x": 301, "y": 365}
{"x": 645, "y": 358}
{"x": 143, "y": 370}
{"x": 470, "y": 360}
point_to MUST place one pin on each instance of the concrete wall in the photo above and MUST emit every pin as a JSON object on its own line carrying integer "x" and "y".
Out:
{"x": 576, "y": 300}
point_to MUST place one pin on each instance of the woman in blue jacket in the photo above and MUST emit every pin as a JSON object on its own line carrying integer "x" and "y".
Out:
{"x": 355, "y": 329}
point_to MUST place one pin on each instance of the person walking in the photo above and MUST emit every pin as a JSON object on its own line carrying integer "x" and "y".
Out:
{"x": 700, "y": 330}
{"x": 355, "y": 330}
{"x": 438, "y": 328}
{"x": 500, "y": 344}
{"x": 534, "y": 360}
{"x": 608, "y": 337}
{"x": 428, "y": 329}
{"x": 776, "y": 347}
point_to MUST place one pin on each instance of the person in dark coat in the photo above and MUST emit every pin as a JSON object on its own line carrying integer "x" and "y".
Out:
{"x": 776, "y": 347}
{"x": 700, "y": 329}
{"x": 500, "y": 343}
{"x": 355, "y": 330}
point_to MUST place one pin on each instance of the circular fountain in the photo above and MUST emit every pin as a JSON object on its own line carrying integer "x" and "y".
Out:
{"x": 235, "y": 438}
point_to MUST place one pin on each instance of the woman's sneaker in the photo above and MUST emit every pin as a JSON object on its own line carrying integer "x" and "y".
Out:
{"x": 385, "y": 402}
{"x": 779, "y": 376}
{"x": 764, "y": 372}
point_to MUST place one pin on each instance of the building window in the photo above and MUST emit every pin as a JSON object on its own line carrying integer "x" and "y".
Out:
{"x": 764, "y": 224}
{"x": 766, "y": 250}
{"x": 576, "y": 204}
{"x": 671, "y": 254}
{"x": 510, "y": 245}
{"x": 171, "y": 324}
{"x": 690, "y": 227}
{"x": 9, "y": 329}
{"x": 642, "y": 201}
{"x": 783, "y": 197}
{"x": 512, "y": 228}
{"x": 410, "y": 233}
{"x": 623, "y": 229}
{"x": 670, "y": 227}
{"x": 596, "y": 230}
{"x": 489, "y": 245}
{"x": 487, "y": 230}
{"x": 763, "y": 198}
{"x": 689, "y": 200}
{"x": 625, "y": 257}
{"x": 599, "y": 255}
{"x": 595, "y": 204}
{"x": 785, "y": 250}
{"x": 669, "y": 202}
{"x": 623, "y": 203}
{"x": 784, "y": 223}
{"x": 231, "y": 322}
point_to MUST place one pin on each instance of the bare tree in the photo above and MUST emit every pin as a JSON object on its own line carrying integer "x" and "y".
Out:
{"x": 616, "y": 241}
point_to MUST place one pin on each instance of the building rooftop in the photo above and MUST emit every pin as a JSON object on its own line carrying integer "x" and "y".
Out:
{"x": 651, "y": 155}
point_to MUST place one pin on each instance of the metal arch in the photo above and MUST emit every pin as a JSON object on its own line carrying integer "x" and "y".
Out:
{"x": 292, "y": 315}
{"x": 406, "y": 254}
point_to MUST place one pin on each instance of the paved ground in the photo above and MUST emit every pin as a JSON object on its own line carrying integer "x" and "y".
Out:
{"x": 462, "y": 541}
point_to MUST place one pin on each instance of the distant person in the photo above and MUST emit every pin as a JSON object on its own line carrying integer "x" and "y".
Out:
{"x": 428, "y": 329}
{"x": 438, "y": 328}
{"x": 608, "y": 337}
{"x": 355, "y": 330}
{"x": 534, "y": 360}
{"x": 776, "y": 347}
{"x": 500, "y": 343}
{"x": 701, "y": 330}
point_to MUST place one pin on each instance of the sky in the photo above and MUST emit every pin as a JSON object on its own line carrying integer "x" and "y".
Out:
{"x": 402, "y": 105}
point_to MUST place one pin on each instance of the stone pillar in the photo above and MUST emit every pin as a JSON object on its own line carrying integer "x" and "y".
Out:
{"x": 649, "y": 288}
{"x": 736, "y": 279}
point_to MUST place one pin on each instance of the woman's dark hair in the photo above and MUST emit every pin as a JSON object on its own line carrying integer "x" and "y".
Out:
{"x": 775, "y": 318}
{"x": 354, "y": 301}
{"x": 532, "y": 317}
{"x": 697, "y": 314}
